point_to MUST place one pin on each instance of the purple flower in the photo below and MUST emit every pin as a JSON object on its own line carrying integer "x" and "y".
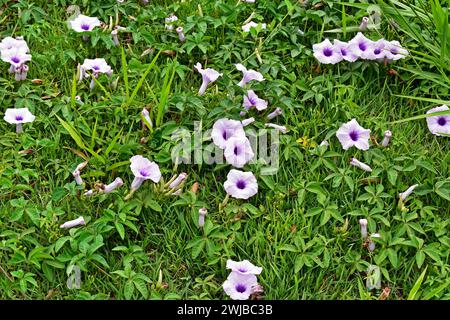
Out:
{"x": 404, "y": 195}
{"x": 181, "y": 34}
{"x": 97, "y": 66}
{"x": 395, "y": 51}
{"x": 113, "y": 185}
{"x": 352, "y": 134}
{"x": 73, "y": 223}
{"x": 346, "y": 53}
{"x": 201, "y": 216}
{"x": 244, "y": 267}
{"x": 360, "y": 45}
{"x": 178, "y": 180}
{"x": 208, "y": 76}
{"x": 248, "y": 75}
{"x": 146, "y": 115}
{"x": 363, "y": 25}
{"x": 77, "y": 175}
{"x": 355, "y": 162}
{"x": 169, "y": 21}
{"x": 9, "y": 43}
{"x": 15, "y": 56}
{"x": 363, "y": 223}
{"x": 326, "y": 53}
{"x": 386, "y": 138}
{"x": 277, "y": 127}
{"x": 275, "y": 113}
{"x": 223, "y": 129}
{"x": 239, "y": 286}
{"x": 439, "y": 124}
{"x": 143, "y": 169}
{"x": 252, "y": 100}
{"x": 376, "y": 50}
{"x": 238, "y": 151}
{"x": 84, "y": 23}
{"x": 248, "y": 121}
{"x": 241, "y": 185}
{"x": 18, "y": 116}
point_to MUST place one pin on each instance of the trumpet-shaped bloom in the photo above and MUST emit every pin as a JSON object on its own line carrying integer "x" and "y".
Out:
{"x": 97, "y": 66}
{"x": 18, "y": 116}
{"x": 239, "y": 286}
{"x": 238, "y": 151}
{"x": 9, "y": 43}
{"x": 252, "y": 100}
{"x": 223, "y": 129}
{"x": 240, "y": 184}
{"x": 376, "y": 50}
{"x": 395, "y": 51}
{"x": 352, "y": 134}
{"x": 15, "y": 56}
{"x": 439, "y": 124}
{"x": 243, "y": 267}
{"x": 143, "y": 169}
{"x": 326, "y": 53}
{"x": 208, "y": 76}
{"x": 360, "y": 45}
{"x": 346, "y": 53}
{"x": 355, "y": 162}
{"x": 248, "y": 75}
{"x": 84, "y": 23}
{"x": 404, "y": 195}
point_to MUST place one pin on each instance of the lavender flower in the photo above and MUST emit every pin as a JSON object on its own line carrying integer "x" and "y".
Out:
{"x": 97, "y": 66}
{"x": 346, "y": 53}
{"x": 239, "y": 286}
{"x": 143, "y": 169}
{"x": 244, "y": 267}
{"x": 363, "y": 223}
{"x": 404, "y": 195}
{"x": 352, "y": 134}
{"x": 181, "y": 177}
{"x": 386, "y": 138}
{"x": 248, "y": 121}
{"x": 146, "y": 116}
{"x": 439, "y": 125}
{"x": 223, "y": 129}
{"x": 73, "y": 223}
{"x": 118, "y": 182}
{"x": 274, "y": 114}
{"x": 395, "y": 51}
{"x": 181, "y": 35}
{"x": 84, "y": 23}
{"x": 15, "y": 56}
{"x": 355, "y": 162}
{"x": 77, "y": 175}
{"x": 252, "y": 100}
{"x": 18, "y": 117}
{"x": 248, "y": 75}
{"x": 9, "y": 43}
{"x": 241, "y": 185}
{"x": 326, "y": 53}
{"x": 277, "y": 127}
{"x": 363, "y": 25}
{"x": 169, "y": 21}
{"x": 371, "y": 245}
{"x": 114, "y": 36}
{"x": 238, "y": 151}
{"x": 376, "y": 50}
{"x": 201, "y": 216}
{"x": 360, "y": 45}
{"x": 208, "y": 76}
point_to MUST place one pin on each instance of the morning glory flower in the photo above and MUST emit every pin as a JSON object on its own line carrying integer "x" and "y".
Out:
{"x": 395, "y": 51}
{"x": 252, "y": 100}
{"x": 360, "y": 45}
{"x": 73, "y": 223}
{"x": 84, "y": 23}
{"x": 439, "y": 124}
{"x": 240, "y": 184}
{"x": 275, "y": 113}
{"x": 244, "y": 267}
{"x": 363, "y": 25}
{"x": 363, "y": 223}
{"x": 238, "y": 286}
{"x": 277, "y": 127}
{"x": 178, "y": 180}
{"x": 376, "y": 50}
{"x": 326, "y": 53}
{"x": 18, "y": 116}
{"x": 251, "y": 24}
{"x": 201, "y": 216}
{"x": 352, "y": 134}
{"x": 223, "y": 129}
{"x": 97, "y": 66}
{"x": 238, "y": 151}
{"x": 146, "y": 116}
{"x": 15, "y": 56}
{"x": 248, "y": 75}
{"x": 248, "y": 121}
{"x": 346, "y": 53}
{"x": 355, "y": 162}
{"x": 20, "y": 72}
{"x": 386, "y": 138}
{"x": 9, "y": 43}
{"x": 169, "y": 21}
{"x": 113, "y": 185}
{"x": 208, "y": 76}
{"x": 404, "y": 195}
{"x": 143, "y": 169}
{"x": 181, "y": 35}
{"x": 371, "y": 245}
{"x": 77, "y": 175}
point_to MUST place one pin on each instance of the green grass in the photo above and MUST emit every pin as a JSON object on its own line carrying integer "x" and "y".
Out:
{"x": 302, "y": 226}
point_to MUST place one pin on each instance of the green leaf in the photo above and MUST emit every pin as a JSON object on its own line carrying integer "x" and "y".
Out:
{"x": 128, "y": 289}
{"x": 416, "y": 287}
{"x": 142, "y": 287}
